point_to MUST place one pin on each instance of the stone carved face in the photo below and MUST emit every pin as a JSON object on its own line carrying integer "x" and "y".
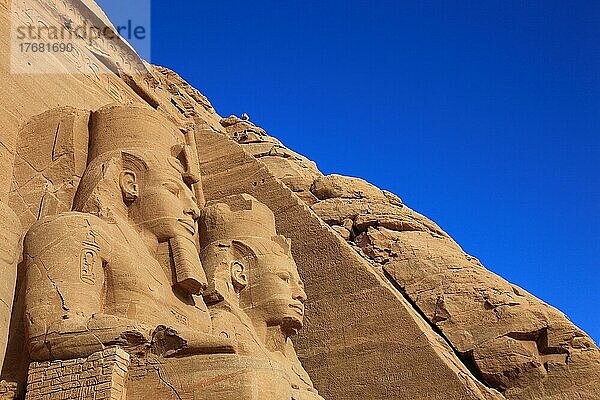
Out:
{"x": 249, "y": 266}
{"x": 151, "y": 160}
{"x": 165, "y": 204}
{"x": 275, "y": 292}
{"x": 147, "y": 189}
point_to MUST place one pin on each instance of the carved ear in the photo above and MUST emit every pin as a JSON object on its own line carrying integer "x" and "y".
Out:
{"x": 239, "y": 276}
{"x": 129, "y": 186}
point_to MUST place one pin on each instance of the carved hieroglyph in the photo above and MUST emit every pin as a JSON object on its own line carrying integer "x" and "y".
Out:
{"x": 101, "y": 376}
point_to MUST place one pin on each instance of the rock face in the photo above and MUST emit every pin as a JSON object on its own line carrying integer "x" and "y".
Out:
{"x": 512, "y": 341}
{"x": 10, "y": 232}
{"x": 168, "y": 252}
{"x": 354, "y": 317}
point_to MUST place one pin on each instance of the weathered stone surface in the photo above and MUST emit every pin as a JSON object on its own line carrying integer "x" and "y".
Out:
{"x": 518, "y": 344}
{"x": 484, "y": 317}
{"x": 338, "y": 186}
{"x": 100, "y": 376}
{"x": 8, "y": 390}
{"x": 354, "y": 317}
{"x": 10, "y": 235}
{"x": 103, "y": 171}
{"x": 505, "y": 362}
{"x": 293, "y": 169}
{"x": 364, "y": 213}
{"x": 49, "y": 163}
{"x": 209, "y": 377}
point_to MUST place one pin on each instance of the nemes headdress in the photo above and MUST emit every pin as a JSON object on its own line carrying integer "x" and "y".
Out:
{"x": 236, "y": 217}
{"x": 237, "y": 224}
{"x": 142, "y": 134}
{"x": 135, "y": 127}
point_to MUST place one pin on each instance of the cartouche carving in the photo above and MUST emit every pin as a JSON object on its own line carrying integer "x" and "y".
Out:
{"x": 93, "y": 277}
{"x": 255, "y": 294}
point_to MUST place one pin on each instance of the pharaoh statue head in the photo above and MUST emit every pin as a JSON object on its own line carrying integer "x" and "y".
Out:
{"x": 140, "y": 173}
{"x": 249, "y": 266}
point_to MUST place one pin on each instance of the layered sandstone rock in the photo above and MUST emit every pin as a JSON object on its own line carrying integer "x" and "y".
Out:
{"x": 513, "y": 341}
{"x": 354, "y": 317}
{"x": 392, "y": 308}
{"x": 293, "y": 169}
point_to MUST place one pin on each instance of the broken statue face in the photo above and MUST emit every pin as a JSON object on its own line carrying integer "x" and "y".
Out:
{"x": 162, "y": 203}
{"x": 275, "y": 292}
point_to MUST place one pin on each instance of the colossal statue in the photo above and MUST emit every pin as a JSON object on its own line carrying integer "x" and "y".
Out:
{"x": 255, "y": 294}
{"x": 122, "y": 271}
{"x": 93, "y": 276}
{"x": 110, "y": 300}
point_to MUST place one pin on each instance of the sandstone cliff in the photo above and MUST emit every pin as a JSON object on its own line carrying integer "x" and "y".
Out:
{"x": 511, "y": 341}
{"x": 396, "y": 309}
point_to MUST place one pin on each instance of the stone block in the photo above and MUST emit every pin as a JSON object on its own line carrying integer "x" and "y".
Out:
{"x": 65, "y": 379}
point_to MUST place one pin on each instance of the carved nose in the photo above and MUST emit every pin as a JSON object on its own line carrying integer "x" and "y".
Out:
{"x": 299, "y": 294}
{"x": 191, "y": 207}
{"x": 193, "y": 211}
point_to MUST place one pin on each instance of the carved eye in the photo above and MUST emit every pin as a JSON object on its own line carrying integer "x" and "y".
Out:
{"x": 285, "y": 276}
{"x": 171, "y": 187}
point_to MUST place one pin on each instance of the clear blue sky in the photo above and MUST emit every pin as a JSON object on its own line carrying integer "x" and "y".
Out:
{"x": 483, "y": 115}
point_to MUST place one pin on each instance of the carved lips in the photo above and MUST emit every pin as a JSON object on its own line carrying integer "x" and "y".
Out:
{"x": 298, "y": 307}
{"x": 190, "y": 225}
